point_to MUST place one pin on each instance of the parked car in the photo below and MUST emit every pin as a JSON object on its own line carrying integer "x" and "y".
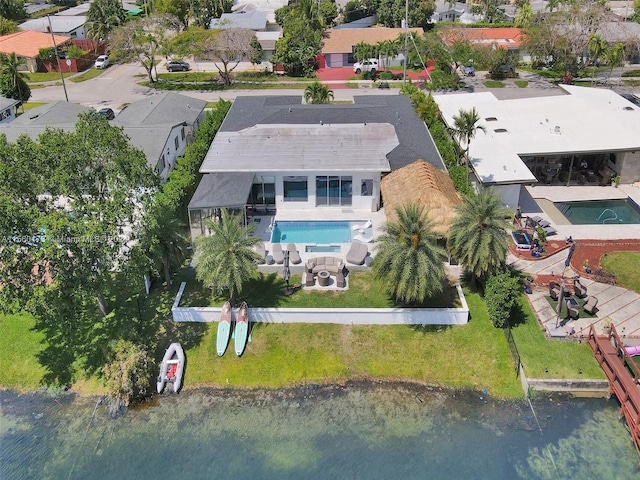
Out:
{"x": 107, "y": 113}
{"x": 370, "y": 65}
{"x": 469, "y": 71}
{"x": 178, "y": 66}
{"x": 102, "y": 61}
{"x": 504, "y": 71}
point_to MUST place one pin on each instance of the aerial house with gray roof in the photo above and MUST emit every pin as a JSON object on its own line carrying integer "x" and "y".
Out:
{"x": 273, "y": 154}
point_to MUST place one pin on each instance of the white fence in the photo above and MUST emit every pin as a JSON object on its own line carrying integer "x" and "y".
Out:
{"x": 345, "y": 316}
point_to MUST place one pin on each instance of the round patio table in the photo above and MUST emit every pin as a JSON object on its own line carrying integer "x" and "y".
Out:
{"x": 323, "y": 278}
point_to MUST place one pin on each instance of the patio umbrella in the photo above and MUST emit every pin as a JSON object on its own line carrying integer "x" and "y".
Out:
{"x": 560, "y": 301}
{"x": 571, "y": 250}
{"x": 286, "y": 273}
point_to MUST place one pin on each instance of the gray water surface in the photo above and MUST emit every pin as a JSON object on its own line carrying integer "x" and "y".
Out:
{"x": 358, "y": 431}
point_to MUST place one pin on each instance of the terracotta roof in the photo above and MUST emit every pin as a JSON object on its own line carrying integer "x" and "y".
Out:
{"x": 425, "y": 185}
{"x": 504, "y": 38}
{"x": 28, "y": 43}
{"x": 342, "y": 40}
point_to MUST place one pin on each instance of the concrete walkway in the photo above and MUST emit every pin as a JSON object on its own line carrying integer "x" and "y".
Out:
{"x": 619, "y": 305}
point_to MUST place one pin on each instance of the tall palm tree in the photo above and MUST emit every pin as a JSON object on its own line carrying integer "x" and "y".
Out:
{"x": 12, "y": 81}
{"x": 465, "y": 126}
{"x": 318, "y": 93}
{"x": 104, "y": 16}
{"x": 226, "y": 258}
{"x": 614, "y": 58}
{"x": 363, "y": 51}
{"x": 478, "y": 236}
{"x": 409, "y": 261}
{"x": 387, "y": 49}
{"x": 596, "y": 48}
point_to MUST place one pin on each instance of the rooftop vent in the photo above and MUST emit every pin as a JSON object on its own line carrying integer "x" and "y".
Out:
{"x": 491, "y": 119}
{"x": 500, "y": 130}
{"x": 629, "y": 108}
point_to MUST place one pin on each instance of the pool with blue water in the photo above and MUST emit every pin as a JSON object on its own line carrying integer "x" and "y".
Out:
{"x": 604, "y": 212}
{"x": 321, "y": 232}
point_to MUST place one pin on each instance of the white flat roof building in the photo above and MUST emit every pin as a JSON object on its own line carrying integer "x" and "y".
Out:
{"x": 585, "y": 120}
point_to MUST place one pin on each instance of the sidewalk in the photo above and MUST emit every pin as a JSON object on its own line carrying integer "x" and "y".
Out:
{"x": 620, "y": 305}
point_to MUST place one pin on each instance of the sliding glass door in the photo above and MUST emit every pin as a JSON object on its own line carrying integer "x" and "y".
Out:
{"x": 333, "y": 190}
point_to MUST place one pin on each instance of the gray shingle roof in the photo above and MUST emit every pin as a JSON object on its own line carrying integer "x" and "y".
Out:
{"x": 414, "y": 138}
{"x": 222, "y": 190}
{"x": 163, "y": 108}
{"x": 62, "y": 115}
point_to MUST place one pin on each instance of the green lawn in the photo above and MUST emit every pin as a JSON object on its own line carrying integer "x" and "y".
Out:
{"x": 494, "y": 84}
{"x": 562, "y": 359}
{"x": 87, "y": 75}
{"x": 471, "y": 356}
{"x": 626, "y": 266}
{"x": 19, "y": 346}
{"x": 521, "y": 83}
{"x": 40, "y": 77}
{"x": 265, "y": 290}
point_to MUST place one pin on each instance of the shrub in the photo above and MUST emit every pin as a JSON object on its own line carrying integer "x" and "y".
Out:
{"x": 501, "y": 294}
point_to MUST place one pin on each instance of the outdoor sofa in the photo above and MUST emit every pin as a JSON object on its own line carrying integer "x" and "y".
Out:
{"x": 330, "y": 264}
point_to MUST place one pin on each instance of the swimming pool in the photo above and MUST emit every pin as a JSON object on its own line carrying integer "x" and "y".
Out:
{"x": 606, "y": 212}
{"x": 326, "y": 232}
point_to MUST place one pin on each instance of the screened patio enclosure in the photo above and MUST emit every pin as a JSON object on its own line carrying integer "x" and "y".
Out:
{"x": 215, "y": 192}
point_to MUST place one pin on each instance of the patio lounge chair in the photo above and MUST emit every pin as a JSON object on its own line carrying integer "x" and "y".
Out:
{"x": 277, "y": 253}
{"x": 357, "y": 253}
{"x": 554, "y": 290}
{"x": 361, "y": 239}
{"x": 549, "y": 230}
{"x": 572, "y": 310}
{"x": 363, "y": 226}
{"x": 579, "y": 290}
{"x": 294, "y": 256}
{"x": 590, "y": 305}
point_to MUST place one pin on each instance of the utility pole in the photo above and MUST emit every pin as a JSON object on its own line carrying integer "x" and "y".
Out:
{"x": 55, "y": 49}
{"x": 406, "y": 37}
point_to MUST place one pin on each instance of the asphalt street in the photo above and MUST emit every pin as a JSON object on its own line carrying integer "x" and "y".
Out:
{"x": 117, "y": 86}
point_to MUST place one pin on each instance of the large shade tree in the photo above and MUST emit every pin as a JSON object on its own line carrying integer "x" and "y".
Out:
{"x": 228, "y": 48}
{"x": 225, "y": 259}
{"x": 478, "y": 237}
{"x": 465, "y": 126}
{"x": 142, "y": 39}
{"x": 409, "y": 260}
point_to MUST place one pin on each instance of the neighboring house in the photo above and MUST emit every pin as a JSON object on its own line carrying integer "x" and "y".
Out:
{"x": 337, "y": 49}
{"x": 8, "y": 109}
{"x": 448, "y": 12}
{"x": 509, "y": 38}
{"x": 161, "y": 125}
{"x": 547, "y": 139}
{"x": 273, "y": 154}
{"x": 68, "y": 26}
{"x": 26, "y": 44}
{"x": 268, "y": 42}
{"x": 248, "y": 17}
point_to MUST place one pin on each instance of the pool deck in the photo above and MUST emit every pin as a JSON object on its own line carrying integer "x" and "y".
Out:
{"x": 530, "y": 208}
{"x": 344, "y": 214}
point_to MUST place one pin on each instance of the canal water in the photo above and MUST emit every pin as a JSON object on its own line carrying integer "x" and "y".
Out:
{"x": 357, "y": 431}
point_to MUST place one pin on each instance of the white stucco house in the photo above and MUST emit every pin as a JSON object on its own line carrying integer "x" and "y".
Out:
{"x": 581, "y": 136}
{"x": 72, "y": 26}
{"x": 275, "y": 153}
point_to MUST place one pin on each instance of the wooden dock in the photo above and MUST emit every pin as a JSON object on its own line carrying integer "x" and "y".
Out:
{"x": 622, "y": 374}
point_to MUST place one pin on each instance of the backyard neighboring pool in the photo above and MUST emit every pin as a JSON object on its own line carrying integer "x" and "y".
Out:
{"x": 321, "y": 232}
{"x": 606, "y": 212}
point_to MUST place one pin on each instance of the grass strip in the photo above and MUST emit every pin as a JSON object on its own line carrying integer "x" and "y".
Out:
{"x": 625, "y": 265}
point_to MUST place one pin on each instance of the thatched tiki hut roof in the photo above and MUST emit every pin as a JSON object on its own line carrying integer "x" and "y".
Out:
{"x": 425, "y": 185}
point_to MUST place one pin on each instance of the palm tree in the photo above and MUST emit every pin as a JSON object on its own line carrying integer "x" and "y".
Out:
{"x": 466, "y": 124}
{"x": 226, "y": 258}
{"x": 318, "y": 93}
{"x": 478, "y": 236}
{"x": 614, "y": 58}
{"x": 104, "y": 16}
{"x": 387, "y": 49}
{"x": 363, "y": 51}
{"x": 12, "y": 81}
{"x": 409, "y": 261}
{"x": 596, "y": 48}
